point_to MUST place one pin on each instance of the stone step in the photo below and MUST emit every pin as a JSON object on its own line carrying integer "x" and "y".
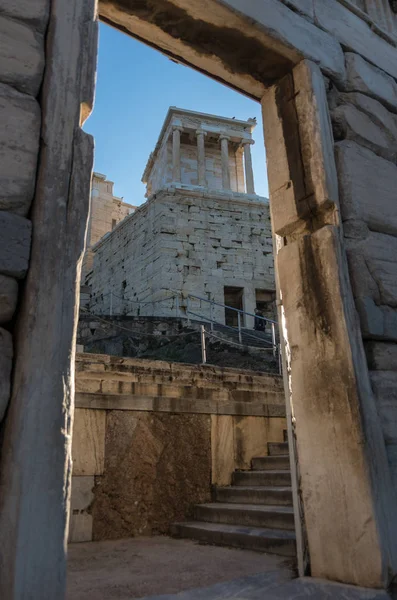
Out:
{"x": 91, "y": 365}
{"x": 270, "y": 463}
{"x": 273, "y": 541}
{"x": 278, "y": 448}
{"x": 178, "y": 390}
{"x": 276, "y": 496}
{"x": 258, "y": 478}
{"x": 249, "y": 515}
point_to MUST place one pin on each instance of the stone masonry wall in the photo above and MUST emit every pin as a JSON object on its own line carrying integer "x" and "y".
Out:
{"x": 151, "y": 437}
{"x": 364, "y": 117}
{"x": 22, "y": 33}
{"x": 191, "y": 241}
{"x": 105, "y": 209}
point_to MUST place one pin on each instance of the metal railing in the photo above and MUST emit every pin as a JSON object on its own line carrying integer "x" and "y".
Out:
{"x": 241, "y": 314}
{"x": 183, "y": 304}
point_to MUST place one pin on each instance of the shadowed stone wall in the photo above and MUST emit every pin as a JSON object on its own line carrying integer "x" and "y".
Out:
{"x": 22, "y": 29}
{"x": 151, "y": 437}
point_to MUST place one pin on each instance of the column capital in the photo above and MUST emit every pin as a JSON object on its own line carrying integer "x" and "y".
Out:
{"x": 177, "y": 128}
{"x": 223, "y": 136}
{"x": 201, "y": 132}
{"x": 245, "y": 142}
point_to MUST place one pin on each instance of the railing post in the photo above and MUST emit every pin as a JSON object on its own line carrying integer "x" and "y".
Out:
{"x": 240, "y": 337}
{"x": 111, "y": 303}
{"x": 187, "y": 310}
{"x": 274, "y": 339}
{"x": 203, "y": 349}
{"x": 280, "y": 364}
{"x": 212, "y": 315}
{"x": 177, "y": 305}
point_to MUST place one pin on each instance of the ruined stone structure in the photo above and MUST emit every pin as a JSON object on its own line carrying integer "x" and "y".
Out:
{"x": 332, "y": 203}
{"x": 127, "y": 478}
{"x": 106, "y": 211}
{"x": 202, "y": 231}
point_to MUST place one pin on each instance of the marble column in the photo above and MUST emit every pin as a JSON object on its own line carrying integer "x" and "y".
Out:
{"x": 249, "y": 174}
{"x": 225, "y": 161}
{"x": 176, "y": 153}
{"x": 200, "y": 133}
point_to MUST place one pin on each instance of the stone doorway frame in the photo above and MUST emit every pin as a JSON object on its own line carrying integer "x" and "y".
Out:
{"x": 333, "y": 417}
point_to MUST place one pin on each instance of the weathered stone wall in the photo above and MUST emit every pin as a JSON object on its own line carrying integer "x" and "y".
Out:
{"x": 364, "y": 116}
{"x": 249, "y": 46}
{"x": 106, "y": 210}
{"x": 190, "y": 241}
{"x": 22, "y": 29}
{"x": 150, "y": 438}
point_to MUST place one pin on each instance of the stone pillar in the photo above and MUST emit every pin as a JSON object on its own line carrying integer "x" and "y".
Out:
{"x": 347, "y": 496}
{"x": 176, "y": 153}
{"x": 225, "y": 161}
{"x": 249, "y": 174}
{"x": 200, "y": 133}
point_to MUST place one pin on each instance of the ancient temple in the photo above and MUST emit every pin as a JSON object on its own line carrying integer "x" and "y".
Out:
{"x": 202, "y": 230}
{"x": 203, "y": 150}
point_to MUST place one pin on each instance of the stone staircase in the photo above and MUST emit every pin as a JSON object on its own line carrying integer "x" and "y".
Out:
{"x": 255, "y": 512}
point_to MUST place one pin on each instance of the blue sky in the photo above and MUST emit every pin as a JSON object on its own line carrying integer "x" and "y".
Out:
{"x": 135, "y": 87}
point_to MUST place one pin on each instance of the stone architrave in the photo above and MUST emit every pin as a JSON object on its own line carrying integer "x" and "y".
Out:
{"x": 38, "y": 427}
{"x": 176, "y": 154}
{"x": 224, "y": 139}
{"x": 200, "y": 133}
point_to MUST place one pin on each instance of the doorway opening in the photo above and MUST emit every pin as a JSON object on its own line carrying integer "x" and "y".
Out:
{"x": 234, "y": 302}
{"x": 265, "y": 301}
{"x": 183, "y": 231}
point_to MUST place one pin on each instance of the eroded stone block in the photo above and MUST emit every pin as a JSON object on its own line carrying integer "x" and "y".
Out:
{"x": 377, "y": 322}
{"x": 374, "y": 109}
{"x": 88, "y": 447}
{"x": 33, "y": 12}
{"x": 8, "y": 298}
{"x": 82, "y": 493}
{"x": 15, "y": 237}
{"x": 6, "y": 353}
{"x": 19, "y": 145}
{"x": 355, "y": 34}
{"x": 222, "y": 449}
{"x": 384, "y": 385}
{"x": 361, "y": 76}
{"x": 352, "y": 124}
{"x": 373, "y": 267}
{"x": 367, "y": 187}
{"x": 21, "y": 56}
{"x": 381, "y": 356}
{"x": 80, "y": 528}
